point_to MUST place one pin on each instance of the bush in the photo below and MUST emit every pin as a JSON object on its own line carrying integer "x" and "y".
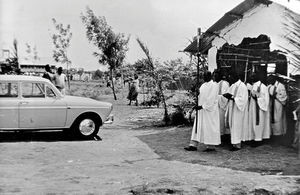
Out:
{"x": 182, "y": 104}
{"x": 178, "y": 117}
{"x": 107, "y": 91}
{"x": 154, "y": 100}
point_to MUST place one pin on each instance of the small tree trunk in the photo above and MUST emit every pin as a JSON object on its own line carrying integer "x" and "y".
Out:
{"x": 166, "y": 115}
{"x": 112, "y": 84}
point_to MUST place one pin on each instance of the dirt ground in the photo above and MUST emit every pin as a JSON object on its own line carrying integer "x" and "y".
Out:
{"x": 136, "y": 157}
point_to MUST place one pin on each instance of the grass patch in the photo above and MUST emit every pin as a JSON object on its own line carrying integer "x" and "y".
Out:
{"x": 266, "y": 159}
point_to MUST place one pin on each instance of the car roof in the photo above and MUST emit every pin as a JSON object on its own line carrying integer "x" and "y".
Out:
{"x": 22, "y": 78}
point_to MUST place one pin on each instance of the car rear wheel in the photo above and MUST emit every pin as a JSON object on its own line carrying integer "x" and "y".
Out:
{"x": 86, "y": 126}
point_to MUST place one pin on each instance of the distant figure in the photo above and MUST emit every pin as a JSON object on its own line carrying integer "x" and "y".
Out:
{"x": 206, "y": 127}
{"x": 133, "y": 90}
{"x": 108, "y": 83}
{"x": 18, "y": 71}
{"x": 48, "y": 74}
{"x": 60, "y": 80}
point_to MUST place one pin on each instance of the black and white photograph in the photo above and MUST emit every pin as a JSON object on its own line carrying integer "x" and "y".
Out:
{"x": 150, "y": 97}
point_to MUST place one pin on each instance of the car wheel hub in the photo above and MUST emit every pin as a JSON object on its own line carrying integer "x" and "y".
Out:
{"x": 87, "y": 127}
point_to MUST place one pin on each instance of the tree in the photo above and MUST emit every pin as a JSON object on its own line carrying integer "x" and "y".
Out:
{"x": 14, "y": 60}
{"x": 177, "y": 70}
{"x": 80, "y": 72}
{"x": 32, "y": 53}
{"x": 158, "y": 72}
{"x": 61, "y": 40}
{"x": 292, "y": 27}
{"x": 98, "y": 74}
{"x": 111, "y": 46}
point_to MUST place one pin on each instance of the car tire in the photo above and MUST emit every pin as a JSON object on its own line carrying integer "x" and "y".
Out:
{"x": 86, "y": 127}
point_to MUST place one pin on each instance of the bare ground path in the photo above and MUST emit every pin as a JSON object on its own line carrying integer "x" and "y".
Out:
{"x": 120, "y": 164}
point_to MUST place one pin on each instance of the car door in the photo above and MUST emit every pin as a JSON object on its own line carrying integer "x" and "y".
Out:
{"x": 40, "y": 107}
{"x": 9, "y": 101}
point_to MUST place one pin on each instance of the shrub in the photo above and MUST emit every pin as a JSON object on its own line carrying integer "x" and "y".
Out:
{"x": 107, "y": 91}
{"x": 178, "y": 117}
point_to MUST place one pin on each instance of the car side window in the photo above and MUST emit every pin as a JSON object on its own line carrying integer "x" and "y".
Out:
{"x": 33, "y": 90}
{"x": 49, "y": 92}
{"x": 9, "y": 89}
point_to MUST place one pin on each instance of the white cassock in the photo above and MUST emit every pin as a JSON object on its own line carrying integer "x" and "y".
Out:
{"x": 247, "y": 130}
{"x": 279, "y": 125}
{"x": 236, "y": 110}
{"x": 208, "y": 126}
{"x": 259, "y": 112}
{"x": 223, "y": 102}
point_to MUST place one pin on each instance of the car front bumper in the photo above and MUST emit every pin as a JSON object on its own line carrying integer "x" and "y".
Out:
{"x": 109, "y": 119}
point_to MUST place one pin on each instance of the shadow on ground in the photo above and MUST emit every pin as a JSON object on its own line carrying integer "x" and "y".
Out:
{"x": 38, "y": 136}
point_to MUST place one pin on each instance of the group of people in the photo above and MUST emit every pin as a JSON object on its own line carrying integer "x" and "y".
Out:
{"x": 247, "y": 111}
{"x": 58, "y": 79}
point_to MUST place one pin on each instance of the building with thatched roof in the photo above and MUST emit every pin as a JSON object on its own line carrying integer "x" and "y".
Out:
{"x": 256, "y": 35}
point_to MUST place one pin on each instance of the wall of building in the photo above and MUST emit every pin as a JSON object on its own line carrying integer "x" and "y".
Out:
{"x": 268, "y": 20}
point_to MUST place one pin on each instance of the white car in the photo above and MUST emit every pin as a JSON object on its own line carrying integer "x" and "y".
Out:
{"x": 34, "y": 103}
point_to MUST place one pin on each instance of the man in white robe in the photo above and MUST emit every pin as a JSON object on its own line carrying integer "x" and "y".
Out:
{"x": 278, "y": 98}
{"x": 223, "y": 102}
{"x": 247, "y": 131}
{"x": 238, "y": 96}
{"x": 206, "y": 127}
{"x": 259, "y": 112}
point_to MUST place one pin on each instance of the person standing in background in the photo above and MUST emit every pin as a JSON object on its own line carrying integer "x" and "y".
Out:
{"x": 133, "y": 90}
{"x": 247, "y": 131}
{"x": 48, "y": 74}
{"x": 60, "y": 81}
{"x": 238, "y": 97}
{"x": 259, "y": 110}
{"x": 278, "y": 97}
{"x": 222, "y": 102}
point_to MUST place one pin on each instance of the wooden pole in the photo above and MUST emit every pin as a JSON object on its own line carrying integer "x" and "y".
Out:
{"x": 198, "y": 74}
{"x": 246, "y": 68}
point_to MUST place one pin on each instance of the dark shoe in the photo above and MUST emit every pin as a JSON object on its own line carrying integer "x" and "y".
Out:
{"x": 209, "y": 150}
{"x": 234, "y": 149}
{"x": 190, "y": 148}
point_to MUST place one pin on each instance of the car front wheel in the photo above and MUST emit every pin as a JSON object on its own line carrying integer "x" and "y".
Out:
{"x": 86, "y": 126}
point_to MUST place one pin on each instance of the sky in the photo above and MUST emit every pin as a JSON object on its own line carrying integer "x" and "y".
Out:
{"x": 165, "y": 26}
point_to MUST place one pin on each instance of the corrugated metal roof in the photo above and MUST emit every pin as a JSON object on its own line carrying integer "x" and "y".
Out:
{"x": 231, "y": 16}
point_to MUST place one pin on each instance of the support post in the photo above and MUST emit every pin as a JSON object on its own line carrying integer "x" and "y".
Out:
{"x": 198, "y": 74}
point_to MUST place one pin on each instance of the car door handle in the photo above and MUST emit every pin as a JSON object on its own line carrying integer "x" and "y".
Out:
{"x": 23, "y": 103}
